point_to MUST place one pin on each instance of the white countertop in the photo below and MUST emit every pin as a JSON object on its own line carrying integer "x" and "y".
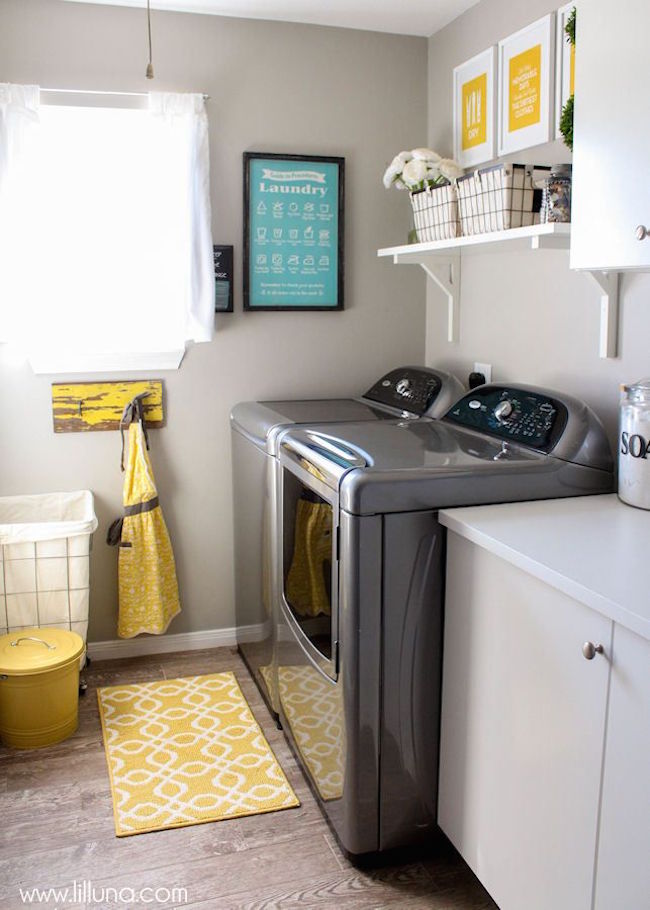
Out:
{"x": 593, "y": 548}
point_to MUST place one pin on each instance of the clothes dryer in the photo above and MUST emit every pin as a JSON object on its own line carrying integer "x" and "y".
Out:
{"x": 357, "y": 666}
{"x": 410, "y": 392}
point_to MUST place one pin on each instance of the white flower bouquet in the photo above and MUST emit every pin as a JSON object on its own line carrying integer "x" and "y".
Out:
{"x": 431, "y": 181}
{"x": 420, "y": 168}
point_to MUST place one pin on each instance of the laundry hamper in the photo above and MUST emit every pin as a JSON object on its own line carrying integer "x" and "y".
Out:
{"x": 435, "y": 213}
{"x": 44, "y": 561}
{"x": 500, "y": 197}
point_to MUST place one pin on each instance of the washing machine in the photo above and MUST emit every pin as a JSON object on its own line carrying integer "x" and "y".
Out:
{"x": 412, "y": 393}
{"x": 358, "y": 657}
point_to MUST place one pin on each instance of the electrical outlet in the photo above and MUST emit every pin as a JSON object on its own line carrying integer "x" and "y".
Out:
{"x": 486, "y": 369}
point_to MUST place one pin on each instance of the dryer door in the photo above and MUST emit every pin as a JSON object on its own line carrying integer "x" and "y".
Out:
{"x": 309, "y": 570}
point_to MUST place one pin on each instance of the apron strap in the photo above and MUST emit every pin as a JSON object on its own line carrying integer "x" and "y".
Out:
{"x": 134, "y": 410}
{"x": 140, "y": 507}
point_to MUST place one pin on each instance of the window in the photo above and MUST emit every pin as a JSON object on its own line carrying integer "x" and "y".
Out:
{"x": 105, "y": 245}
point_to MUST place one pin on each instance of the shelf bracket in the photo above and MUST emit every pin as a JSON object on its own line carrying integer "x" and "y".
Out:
{"x": 445, "y": 274}
{"x": 607, "y": 284}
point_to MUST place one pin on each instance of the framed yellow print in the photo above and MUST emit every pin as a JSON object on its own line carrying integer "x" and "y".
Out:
{"x": 475, "y": 110}
{"x": 524, "y": 76}
{"x": 565, "y": 63}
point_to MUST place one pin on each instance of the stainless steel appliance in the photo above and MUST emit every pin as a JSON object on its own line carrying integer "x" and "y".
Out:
{"x": 409, "y": 392}
{"x": 359, "y": 643}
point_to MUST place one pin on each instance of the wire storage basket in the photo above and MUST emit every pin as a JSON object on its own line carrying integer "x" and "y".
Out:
{"x": 45, "y": 542}
{"x": 500, "y": 197}
{"x": 435, "y": 212}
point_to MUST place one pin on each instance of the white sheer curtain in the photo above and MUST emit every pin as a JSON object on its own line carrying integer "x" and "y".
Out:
{"x": 105, "y": 240}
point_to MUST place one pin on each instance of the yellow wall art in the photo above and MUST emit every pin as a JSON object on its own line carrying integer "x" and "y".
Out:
{"x": 474, "y": 109}
{"x": 474, "y": 112}
{"x": 524, "y": 75}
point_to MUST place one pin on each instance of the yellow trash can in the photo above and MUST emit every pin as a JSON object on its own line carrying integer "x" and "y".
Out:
{"x": 39, "y": 687}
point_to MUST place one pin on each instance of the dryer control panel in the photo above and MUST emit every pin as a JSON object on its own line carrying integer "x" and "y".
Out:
{"x": 513, "y": 414}
{"x": 412, "y": 389}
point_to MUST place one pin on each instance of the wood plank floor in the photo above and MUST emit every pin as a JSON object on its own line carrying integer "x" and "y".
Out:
{"x": 57, "y": 828}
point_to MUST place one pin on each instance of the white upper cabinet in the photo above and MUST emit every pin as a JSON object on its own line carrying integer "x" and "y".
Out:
{"x": 611, "y": 160}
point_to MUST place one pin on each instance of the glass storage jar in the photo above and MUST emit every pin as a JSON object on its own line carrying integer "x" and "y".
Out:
{"x": 634, "y": 445}
{"x": 556, "y": 195}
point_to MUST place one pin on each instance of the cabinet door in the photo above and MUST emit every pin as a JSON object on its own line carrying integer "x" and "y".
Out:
{"x": 623, "y": 877}
{"x": 611, "y": 177}
{"x": 523, "y": 720}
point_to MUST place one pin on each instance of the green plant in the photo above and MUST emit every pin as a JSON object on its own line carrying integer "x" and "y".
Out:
{"x": 566, "y": 119}
{"x": 570, "y": 27}
{"x": 566, "y": 122}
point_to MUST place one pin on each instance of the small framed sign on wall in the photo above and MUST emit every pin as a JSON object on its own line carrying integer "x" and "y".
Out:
{"x": 223, "y": 275}
{"x": 293, "y": 232}
{"x": 525, "y": 75}
{"x": 475, "y": 110}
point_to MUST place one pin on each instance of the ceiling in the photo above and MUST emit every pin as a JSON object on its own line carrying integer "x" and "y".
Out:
{"x": 414, "y": 17}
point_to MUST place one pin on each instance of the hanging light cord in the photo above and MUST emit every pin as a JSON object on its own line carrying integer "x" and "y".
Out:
{"x": 149, "y": 73}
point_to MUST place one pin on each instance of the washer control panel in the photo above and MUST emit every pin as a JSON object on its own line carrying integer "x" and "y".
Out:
{"x": 409, "y": 389}
{"x": 513, "y": 414}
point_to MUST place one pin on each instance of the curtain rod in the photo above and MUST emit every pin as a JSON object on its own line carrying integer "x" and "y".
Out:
{"x": 83, "y": 91}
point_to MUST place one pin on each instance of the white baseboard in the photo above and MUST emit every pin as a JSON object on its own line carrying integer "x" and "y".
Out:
{"x": 183, "y": 641}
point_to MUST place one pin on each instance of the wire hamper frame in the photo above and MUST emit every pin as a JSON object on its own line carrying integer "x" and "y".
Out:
{"x": 499, "y": 198}
{"x": 435, "y": 213}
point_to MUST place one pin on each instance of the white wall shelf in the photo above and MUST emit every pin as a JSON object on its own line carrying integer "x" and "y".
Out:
{"x": 441, "y": 260}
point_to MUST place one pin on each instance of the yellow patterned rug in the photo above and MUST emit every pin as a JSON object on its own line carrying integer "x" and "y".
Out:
{"x": 313, "y": 709}
{"x": 186, "y": 751}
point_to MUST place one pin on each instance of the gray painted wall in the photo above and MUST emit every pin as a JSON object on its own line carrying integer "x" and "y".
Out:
{"x": 274, "y": 87}
{"x": 524, "y": 312}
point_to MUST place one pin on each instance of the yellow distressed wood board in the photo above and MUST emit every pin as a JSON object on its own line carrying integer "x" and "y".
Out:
{"x": 80, "y": 407}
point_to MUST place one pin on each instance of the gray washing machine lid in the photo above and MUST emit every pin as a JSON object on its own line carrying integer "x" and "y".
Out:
{"x": 261, "y": 421}
{"x": 411, "y": 391}
{"x": 425, "y": 464}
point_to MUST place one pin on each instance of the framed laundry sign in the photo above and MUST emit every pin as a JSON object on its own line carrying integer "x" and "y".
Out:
{"x": 293, "y": 232}
{"x": 525, "y": 75}
{"x": 475, "y": 110}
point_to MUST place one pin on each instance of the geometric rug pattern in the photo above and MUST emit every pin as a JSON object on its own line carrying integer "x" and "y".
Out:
{"x": 313, "y": 708}
{"x": 187, "y": 751}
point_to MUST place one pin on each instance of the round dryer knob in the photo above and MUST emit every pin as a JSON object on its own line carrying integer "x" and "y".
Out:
{"x": 402, "y": 387}
{"x": 503, "y": 410}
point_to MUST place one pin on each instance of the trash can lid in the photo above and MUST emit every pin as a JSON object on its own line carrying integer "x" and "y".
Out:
{"x": 37, "y": 650}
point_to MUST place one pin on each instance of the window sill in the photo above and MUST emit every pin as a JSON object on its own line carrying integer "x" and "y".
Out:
{"x": 66, "y": 362}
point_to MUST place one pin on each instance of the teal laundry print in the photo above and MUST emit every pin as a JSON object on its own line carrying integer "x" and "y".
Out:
{"x": 293, "y": 233}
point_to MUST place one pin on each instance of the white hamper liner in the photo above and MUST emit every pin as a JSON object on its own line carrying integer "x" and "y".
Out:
{"x": 435, "y": 213}
{"x": 45, "y": 544}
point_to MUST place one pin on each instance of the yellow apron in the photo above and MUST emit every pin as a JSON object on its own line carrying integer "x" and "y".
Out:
{"x": 147, "y": 572}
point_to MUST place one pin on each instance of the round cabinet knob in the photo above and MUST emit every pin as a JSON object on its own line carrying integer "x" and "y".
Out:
{"x": 589, "y": 650}
{"x": 642, "y": 232}
{"x": 503, "y": 410}
{"x": 402, "y": 387}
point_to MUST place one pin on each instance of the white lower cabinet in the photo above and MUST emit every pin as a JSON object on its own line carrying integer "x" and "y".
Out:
{"x": 623, "y": 868}
{"x": 523, "y": 729}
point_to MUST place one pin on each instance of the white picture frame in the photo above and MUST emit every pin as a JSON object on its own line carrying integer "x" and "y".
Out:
{"x": 564, "y": 64}
{"x": 525, "y": 75}
{"x": 474, "y": 106}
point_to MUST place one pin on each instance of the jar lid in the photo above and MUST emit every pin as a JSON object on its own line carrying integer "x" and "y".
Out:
{"x": 642, "y": 387}
{"x": 36, "y": 650}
